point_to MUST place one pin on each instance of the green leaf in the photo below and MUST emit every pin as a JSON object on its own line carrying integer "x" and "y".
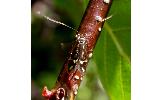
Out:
{"x": 113, "y": 69}
{"x": 125, "y": 38}
{"x": 113, "y": 51}
{"x": 120, "y": 25}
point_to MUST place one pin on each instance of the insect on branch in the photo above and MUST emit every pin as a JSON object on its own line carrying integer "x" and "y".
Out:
{"x": 75, "y": 65}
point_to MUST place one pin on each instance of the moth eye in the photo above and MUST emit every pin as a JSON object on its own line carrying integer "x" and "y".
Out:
{"x": 71, "y": 65}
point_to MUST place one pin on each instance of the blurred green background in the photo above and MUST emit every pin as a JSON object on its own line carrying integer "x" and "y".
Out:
{"x": 50, "y": 43}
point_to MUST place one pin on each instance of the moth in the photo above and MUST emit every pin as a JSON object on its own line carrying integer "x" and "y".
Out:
{"x": 74, "y": 68}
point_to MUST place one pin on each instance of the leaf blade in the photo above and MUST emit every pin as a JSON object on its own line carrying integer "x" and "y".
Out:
{"x": 113, "y": 73}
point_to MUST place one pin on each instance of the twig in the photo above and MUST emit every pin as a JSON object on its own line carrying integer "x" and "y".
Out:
{"x": 75, "y": 65}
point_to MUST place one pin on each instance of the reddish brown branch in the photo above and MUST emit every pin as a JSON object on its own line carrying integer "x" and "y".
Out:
{"x": 75, "y": 65}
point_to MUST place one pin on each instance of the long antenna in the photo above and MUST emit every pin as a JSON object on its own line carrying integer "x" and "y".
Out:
{"x": 98, "y": 18}
{"x": 107, "y": 18}
{"x": 55, "y": 21}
